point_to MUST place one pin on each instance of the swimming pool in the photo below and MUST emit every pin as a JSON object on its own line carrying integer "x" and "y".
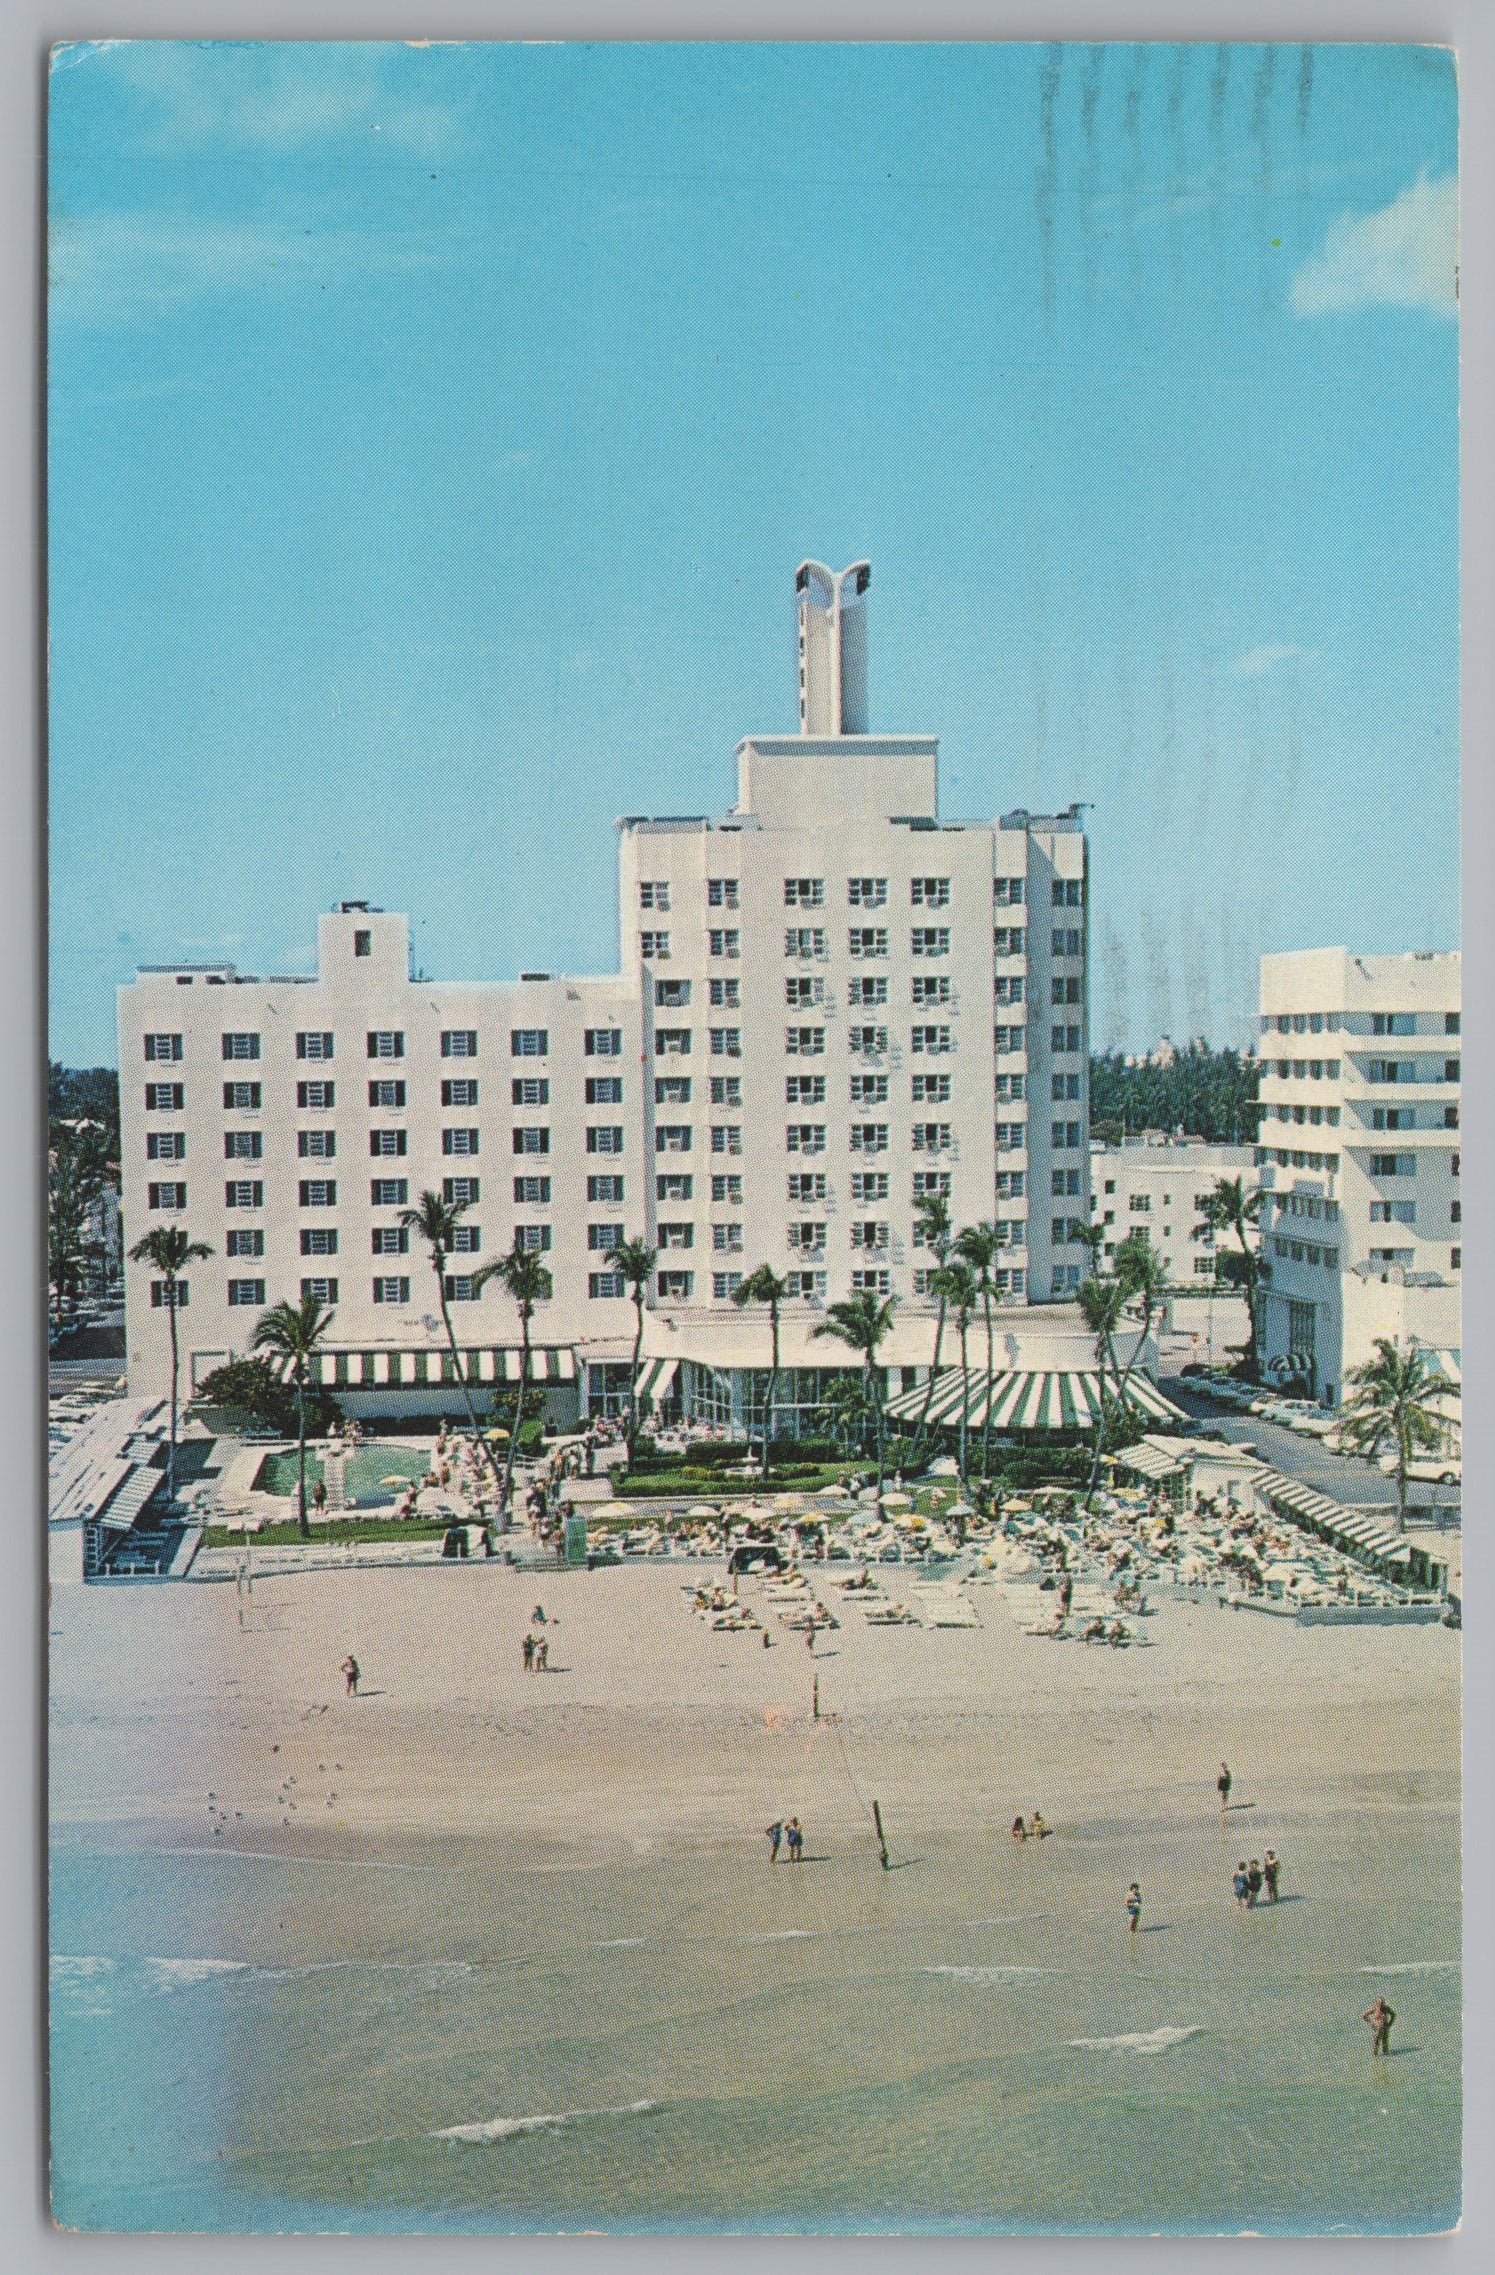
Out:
{"x": 367, "y": 1467}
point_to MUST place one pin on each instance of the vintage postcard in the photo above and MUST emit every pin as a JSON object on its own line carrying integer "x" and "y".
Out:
{"x": 755, "y": 1242}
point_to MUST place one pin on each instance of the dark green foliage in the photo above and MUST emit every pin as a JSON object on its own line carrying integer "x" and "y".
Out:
{"x": 86, "y": 1094}
{"x": 1209, "y": 1094}
{"x": 252, "y": 1388}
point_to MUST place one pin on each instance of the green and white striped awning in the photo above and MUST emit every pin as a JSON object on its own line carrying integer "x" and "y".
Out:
{"x": 1356, "y": 1530}
{"x": 1047, "y": 1399}
{"x": 392, "y": 1368}
{"x": 656, "y": 1379}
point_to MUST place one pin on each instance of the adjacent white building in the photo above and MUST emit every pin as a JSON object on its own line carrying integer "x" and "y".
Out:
{"x": 1157, "y": 1187}
{"x": 1358, "y": 1158}
{"x": 831, "y": 1003}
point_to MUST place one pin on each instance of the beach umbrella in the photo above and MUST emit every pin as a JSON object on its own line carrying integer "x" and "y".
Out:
{"x": 897, "y": 1500}
{"x": 960, "y": 1509}
{"x": 702, "y": 1509}
{"x": 1286, "y": 1573}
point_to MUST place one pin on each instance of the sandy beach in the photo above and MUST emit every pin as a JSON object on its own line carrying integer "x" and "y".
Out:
{"x": 506, "y": 1949}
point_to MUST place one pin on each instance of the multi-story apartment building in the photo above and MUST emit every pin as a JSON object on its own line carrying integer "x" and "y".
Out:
{"x": 1158, "y": 1186}
{"x": 831, "y": 1004}
{"x": 1358, "y": 1158}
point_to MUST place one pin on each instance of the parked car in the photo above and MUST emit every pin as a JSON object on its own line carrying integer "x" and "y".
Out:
{"x": 1432, "y": 1469}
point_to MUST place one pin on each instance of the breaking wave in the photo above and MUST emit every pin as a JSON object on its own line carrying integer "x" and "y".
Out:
{"x": 1144, "y": 2041}
{"x": 985, "y": 1974}
{"x": 548, "y": 2121}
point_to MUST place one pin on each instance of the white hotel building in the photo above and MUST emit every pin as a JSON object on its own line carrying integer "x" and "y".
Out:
{"x": 1358, "y": 1158}
{"x": 830, "y": 1003}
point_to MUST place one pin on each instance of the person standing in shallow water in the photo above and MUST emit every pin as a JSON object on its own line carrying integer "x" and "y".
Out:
{"x": 1380, "y": 2017}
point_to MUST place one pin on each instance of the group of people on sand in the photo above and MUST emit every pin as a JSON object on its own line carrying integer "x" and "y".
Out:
{"x": 1250, "y": 1880}
{"x": 1036, "y": 1829}
{"x": 535, "y": 1649}
{"x": 788, "y": 1833}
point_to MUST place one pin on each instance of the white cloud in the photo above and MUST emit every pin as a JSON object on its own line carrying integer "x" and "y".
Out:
{"x": 124, "y": 268}
{"x": 1405, "y": 256}
{"x": 275, "y": 94}
{"x": 1257, "y": 660}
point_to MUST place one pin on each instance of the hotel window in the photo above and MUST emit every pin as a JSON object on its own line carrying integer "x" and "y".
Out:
{"x": 165, "y": 1145}
{"x": 1011, "y": 990}
{"x": 601, "y": 1090}
{"x": 529, "y": 1042}
{"x": 865, "y": 940}
{"x": 460, "y": 1093}
{"x": 241, "y": 1097}
{"x": 387, "y": 1144}
{"x": 163, "y": 1097}
{"x": 1008, "y": 892}
{"x": 385, "y": 1239}
{"x": 531, "y": 1139}
{"x": 670, "y": 1185}
{"x": 245, "y": 1293}
{"x": 169, "y": 1299}
{"x": 869, "y": 1232}
{"x": 726, "y": 995}
{"x": 804, "y": 892}
{"x": 241, "y": 1046}
{"x": 1009, "y": 940}
{"x": 869, "y": 1137}
{"x": 391, "y": 1291}
{"x": 929, "y": 892}
{"x": 1066, "y": 1086}
{"x": 1451, "y": 1070}
{"x": 931, "y": 1137}
{"x": 603, "y": 1042}
{"x": 930, "y": 987}
{"x": 866, "y": 1280}
{"x": 672, "y": 1042}
{"x": 1011, "y": 1184}
{"x": 1450, "y": 1117}
{"x": 721, "y": 892}
{"x": 390, "y": 1192}
{"x": 532, "y": 1238}
{"x": 167, "y": 1196}
{"x": 671, "y": 995}
{"x": 318, "y": 1240}
{"x": 316, "y": 1145}
{"x": 804, "y": 1042}
{"x": 602, "y": 1139}
{"x": 531, "y": 1090}
{"x": 934, "y": 1040}
{"x": 677, "y": 1235}
{"x": 391, "y": 1093}
{"x": 726, "y": 1239}
{"x": 804, "y": 1287}
{"x": 727, "y": 943}
{"x": 803, "y": 1137}
{"x": 1456, "y": 1259}
{"x": 602, "y": 1285}
{"x": 459, "y": 1043}
{"x": 243, "y": 1193}
{"x": 806, "y": 944}
{"x": 725, "y": 1284}
{"x": 804, "y": 1089}
{"x": 726, "y": 1090}
{"x": 604, "y": 1236}
{"x": 867, "y": 892}
{"x": 726, "y": 1042}
{"x": 871, "y": 1184}
{"x": 322, "y": 1291}
{"x": 163, "y": 1050}
{"x": 654, "y": 895}
{"x": 246, "y": 1241}
{"x": 467, "y": 1239}
{"x": 672, "y": 1137}
{"x": 363, "y": 943}
{"x": 317, "y": 1044}
{"x": 726, "y": 1137}
{"x": 316, "y": 1097}
{"x": 804, "y": 1185}
{"x": 869, "y": 1090}
{"x": 386, "y": 1043}
{"x": 1011, "y": 1136}
{"x": 243, "y": 1145}
{"x": 867, "y": 1042}
{"x": 1010, "y": 1086}
{"x": 931, "y": 1090}
{"x": 534, "y": 1192}
{"x": 318, "y": 1192}
{"x": 675, "y": 1287}
{"x": 654, "y": 946}
{"x": 726, "y": 1191}
{"x": 669, "y": 1090}
{"x": 865, "y": 992}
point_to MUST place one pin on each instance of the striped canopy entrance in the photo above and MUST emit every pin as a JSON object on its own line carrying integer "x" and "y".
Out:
{"x": 1050, "y": 1399}
{"x": 1355, "y": 1530}
{"x": 428, "y": 1369}
{"x": 656, "y": 1379}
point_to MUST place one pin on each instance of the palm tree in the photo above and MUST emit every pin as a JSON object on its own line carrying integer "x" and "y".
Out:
{"x": 765, "y": 1286}
{"x": 1230, "y": 1208}
{"x": 1101, "y": 1304}
{"x": 932, "y": 1227}
{"x": 293, "y": 1331}
{"x": 167, "y": 1248}
{"x": 635, "y": 1259}
{"x": 1143, "y": 1277}
{"x": 960, "y": 1289}
{"x": 861, "y": 1322}
{"x": 522, "y": 1275}
{"x": 1395, "y": 1397}
{"x": 1092, "y": 1238}
{"x": 435, "y": 1221}
{"x": 844, "y": 1411}
{"x": 980, "y": 1245}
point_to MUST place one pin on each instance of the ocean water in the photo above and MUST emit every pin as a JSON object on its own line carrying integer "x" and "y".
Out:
{"x": 443, "y": 2040}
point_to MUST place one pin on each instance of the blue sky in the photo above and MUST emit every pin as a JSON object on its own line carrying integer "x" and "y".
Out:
{"x": 434, "y": 432}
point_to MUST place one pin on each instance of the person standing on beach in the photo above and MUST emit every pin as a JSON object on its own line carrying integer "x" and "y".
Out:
{"x": 1222, "y": 1786}
{"x": 527, "y": 1652}
{"x": 794, "y": 1835}
{"x": 1270, "y": 1868}
{"x": 350, "y": 1671}
{"x": 1133, "y": 1907}
{"x": 1380, "y": 2017}
{"x": 775, "y": 1833}
{"x": 1241, "y": 1883}
{"x": 1254, "y": 1879}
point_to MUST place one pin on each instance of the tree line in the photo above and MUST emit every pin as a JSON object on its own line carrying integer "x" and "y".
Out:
{"x": 1210, "y": 1094}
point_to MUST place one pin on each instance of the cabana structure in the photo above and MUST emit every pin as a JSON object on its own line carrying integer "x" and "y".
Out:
{"x": 1362, "y": 1534}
